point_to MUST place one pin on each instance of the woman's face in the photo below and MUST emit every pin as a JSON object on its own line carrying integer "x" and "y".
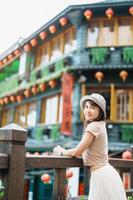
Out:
{"x": 91, "y": 112}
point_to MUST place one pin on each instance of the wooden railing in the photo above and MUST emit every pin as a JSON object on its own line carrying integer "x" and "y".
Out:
{"x": 14, "y": 163}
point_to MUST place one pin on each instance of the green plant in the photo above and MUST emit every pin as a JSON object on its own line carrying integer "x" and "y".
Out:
{"x": 130, "y": 197}
{"x": 128, "y": 54}
{"x": 1, "y": 189}
{"x": 99, "y": 55}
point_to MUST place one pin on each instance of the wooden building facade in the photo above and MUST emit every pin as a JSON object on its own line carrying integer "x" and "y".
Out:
{"x": 84, "y": 49}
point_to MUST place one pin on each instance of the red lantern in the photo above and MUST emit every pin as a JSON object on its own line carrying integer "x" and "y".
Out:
{"x": 17, "y": 52}
{"x": 131, "y": 10}
{"x": 52, "y": 29}
{"x": 52, "y": 83}
{"x": 99, "y": 76}
{"x": 69, "y": 174}
{"x": 1, "y": 102}
{"x": 42, "y": 87}
{"x": 45, "y": 178}
{"x": 6, "y": 100}
{"x": 27, "y": 47}
{"x": 109, "y": 12}
{"x": 33, "y": 42}
{"x": 5, "y": 60}
{"x": 34, "y": 90}
{"x": 63, "y": 21}
{"x": 1, "y": 63}
{"x": 88, "y": 14}
{"x": 27, "y": 93}
{"x": 19, "y": 98}
{"x": 43, "y": 35}
{"x": 12, "y": 98}
{"x": 10, "y": 57}
{"x": 123, "y": 75}
{"x": 127, "y": 155}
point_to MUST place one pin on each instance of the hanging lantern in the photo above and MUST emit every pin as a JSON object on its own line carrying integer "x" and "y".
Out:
{"x": 88, "y": 14}
{"x": 12, "y": 98}
{"x": 52, "y": 29}
{"x": 1, "y": 63}
{"x": 33, "y": 42}
{"x": 27, "y": 93}
{"x": 127, "y": 155}
{"x": 1, "y": 102}
{"x": 63, "y": 21}
{"x": 5, "y": 60}
{"x": 10, "y": 57}
{"x": 6, "y": 100}
{"x": 126, "y": 180}
{"x": 17, "y": 52}
{"x": 123, "y": 75}
{"x": 42, "y": 87}
{"x": 19, "y": 98}
{"x": 99, "y": 76}
{"x": 109, "y": 13}
{"x": 131, "y": 10}
{"x": 69, "y": 174}
{"x": 45, "y": 178}
{"x": 43, "y": 35}
{"x": 52, "y": 83}
{"x": 34, "y": 90}
{"x": 27, "y": 47}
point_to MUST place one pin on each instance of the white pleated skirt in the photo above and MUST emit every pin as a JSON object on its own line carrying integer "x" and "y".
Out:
{"x": 106, "y": 184}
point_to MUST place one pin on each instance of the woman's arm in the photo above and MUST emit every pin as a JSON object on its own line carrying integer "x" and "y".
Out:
{"x": 77, "y": 151}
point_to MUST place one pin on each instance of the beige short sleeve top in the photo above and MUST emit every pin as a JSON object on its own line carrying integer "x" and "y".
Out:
{"x": 96, "y": 155}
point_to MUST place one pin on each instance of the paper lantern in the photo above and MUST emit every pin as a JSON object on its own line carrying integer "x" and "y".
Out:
{"x": 42, "y": 87}
{"x": 12, "y": 98}
{"x": 52, "y": 83}
{"x": 17, "y": 52}
{"x": 109, "y": 13}
{"x": 131, "y": 10}
{"x": 69, "y": 174}
{"x": 52, "y": 29}
{"x": 43, "y": 35}
{"x": 127, "y": 155}
{"x": 45, "y": 178}
{"x": 33, "y": 42}
{"x": 19, "y": 98}
{"x": 27, "y": 93}
{"x": 10, "y": 57}
{"x": 27, "y": 47}
{"x": 5, "y": 60}
{"x": 88, "y": 14}
{"x": 1, "y": 102}
{"x": 99, "y": 76}
{"x": 6, "y": 100}
{"x": 63, "y": 21}
{"x": 1, "y": 63}
{"x": 34, "y": 90}
{"x": 123, "y": 75}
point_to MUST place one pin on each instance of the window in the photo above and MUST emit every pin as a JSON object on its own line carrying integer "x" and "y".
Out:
{"x": 124, "y": 32}
{"x": 6, "y": 117}
{"x": 51, "y": 110}
{"x": 56, "y": 48}
{"x": 105, "y": 32}
{"x": 25, "y": 115}
{"x": 93, "y": 33}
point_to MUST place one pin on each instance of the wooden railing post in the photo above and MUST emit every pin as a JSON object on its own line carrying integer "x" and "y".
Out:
{"x": 12, "y": 142}
{"x": 59, "y": 184}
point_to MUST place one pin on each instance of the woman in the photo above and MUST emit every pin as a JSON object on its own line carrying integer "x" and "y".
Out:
{"x": 105, "y": 182}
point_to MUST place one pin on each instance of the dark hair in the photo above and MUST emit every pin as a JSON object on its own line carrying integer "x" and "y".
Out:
{"x": 101, "y": 113}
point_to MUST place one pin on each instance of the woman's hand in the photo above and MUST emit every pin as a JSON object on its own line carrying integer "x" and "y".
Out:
{"x": 58, "y": 151}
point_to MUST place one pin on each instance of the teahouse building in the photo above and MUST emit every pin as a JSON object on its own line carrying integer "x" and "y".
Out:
{"x": 84, "y": 49}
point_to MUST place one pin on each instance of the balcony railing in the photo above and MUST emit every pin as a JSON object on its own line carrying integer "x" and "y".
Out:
{"x": 14, "y": 163}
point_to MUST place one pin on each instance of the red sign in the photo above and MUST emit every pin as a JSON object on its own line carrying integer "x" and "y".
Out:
{"x": 67, "y": 91}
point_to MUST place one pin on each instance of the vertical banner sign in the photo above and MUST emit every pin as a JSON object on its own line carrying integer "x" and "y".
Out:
{"x": 67, "y": 91}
